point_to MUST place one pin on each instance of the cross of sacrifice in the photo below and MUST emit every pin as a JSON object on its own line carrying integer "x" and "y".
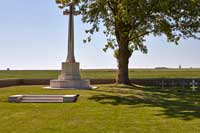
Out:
{"x": 71, "y": 12}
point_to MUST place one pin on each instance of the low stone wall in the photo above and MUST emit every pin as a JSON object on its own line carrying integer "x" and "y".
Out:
{"x": 102, "y": 81}
{"x": 10, "y": 82}
{"x": 16, "y": 82}
{"x": 36, "y": 81}
{"x": 47, "y": 81}
{"x": 180, "y": 82}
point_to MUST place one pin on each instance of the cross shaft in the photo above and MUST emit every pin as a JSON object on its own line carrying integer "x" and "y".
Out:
{"x": 71, "y": 12}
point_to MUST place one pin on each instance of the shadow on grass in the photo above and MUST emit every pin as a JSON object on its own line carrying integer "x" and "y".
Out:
{"x": 175, "y": 103}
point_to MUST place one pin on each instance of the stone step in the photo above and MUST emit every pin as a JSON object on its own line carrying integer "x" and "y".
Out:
{"x": 43, "y": 95}
{"x": 41, "y": 101}
{"x": 43, "y": 98}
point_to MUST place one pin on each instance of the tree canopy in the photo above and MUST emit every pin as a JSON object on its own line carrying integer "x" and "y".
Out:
{"x": 128, "y": 22}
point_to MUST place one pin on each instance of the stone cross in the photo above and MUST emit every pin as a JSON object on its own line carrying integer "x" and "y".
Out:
{"x": 71, "y": 12}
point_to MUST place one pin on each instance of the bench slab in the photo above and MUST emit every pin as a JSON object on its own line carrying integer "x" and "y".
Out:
{"x": 42, "y": 98}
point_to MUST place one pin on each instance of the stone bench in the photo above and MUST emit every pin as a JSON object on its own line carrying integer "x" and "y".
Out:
{"x": 42, "y": 98}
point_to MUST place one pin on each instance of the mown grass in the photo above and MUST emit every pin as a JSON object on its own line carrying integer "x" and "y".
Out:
{"x": 103, "y": 74}
{"x": 108, "y": 109}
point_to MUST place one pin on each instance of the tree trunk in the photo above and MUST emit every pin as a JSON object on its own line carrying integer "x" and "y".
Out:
{"x": 123, "y": 61}
{"x": 121, "y": 31}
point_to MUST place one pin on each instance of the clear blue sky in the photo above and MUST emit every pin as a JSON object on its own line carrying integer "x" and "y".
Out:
{"x": 33, "y": 35}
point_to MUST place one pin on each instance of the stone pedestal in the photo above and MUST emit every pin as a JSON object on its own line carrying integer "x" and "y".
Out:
{"x": 70, "y": 78}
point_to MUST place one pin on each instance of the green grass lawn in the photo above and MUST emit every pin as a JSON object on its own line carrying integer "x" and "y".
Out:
{"x": 102, "y": 74}
{"x": 109, "y": 109}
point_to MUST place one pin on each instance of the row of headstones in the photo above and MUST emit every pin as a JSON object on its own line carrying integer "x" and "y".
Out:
{"x": 184, "y": 83}
{"x": 194, "y": 84}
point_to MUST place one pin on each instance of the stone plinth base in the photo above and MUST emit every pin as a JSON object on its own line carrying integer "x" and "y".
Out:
{"x": 70, "y": 84}
{"x": 70, "y": 71}
{"x": 70, "y": 78}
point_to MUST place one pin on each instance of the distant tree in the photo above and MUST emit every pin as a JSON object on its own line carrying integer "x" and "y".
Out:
{"x": 128, "y": 22}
